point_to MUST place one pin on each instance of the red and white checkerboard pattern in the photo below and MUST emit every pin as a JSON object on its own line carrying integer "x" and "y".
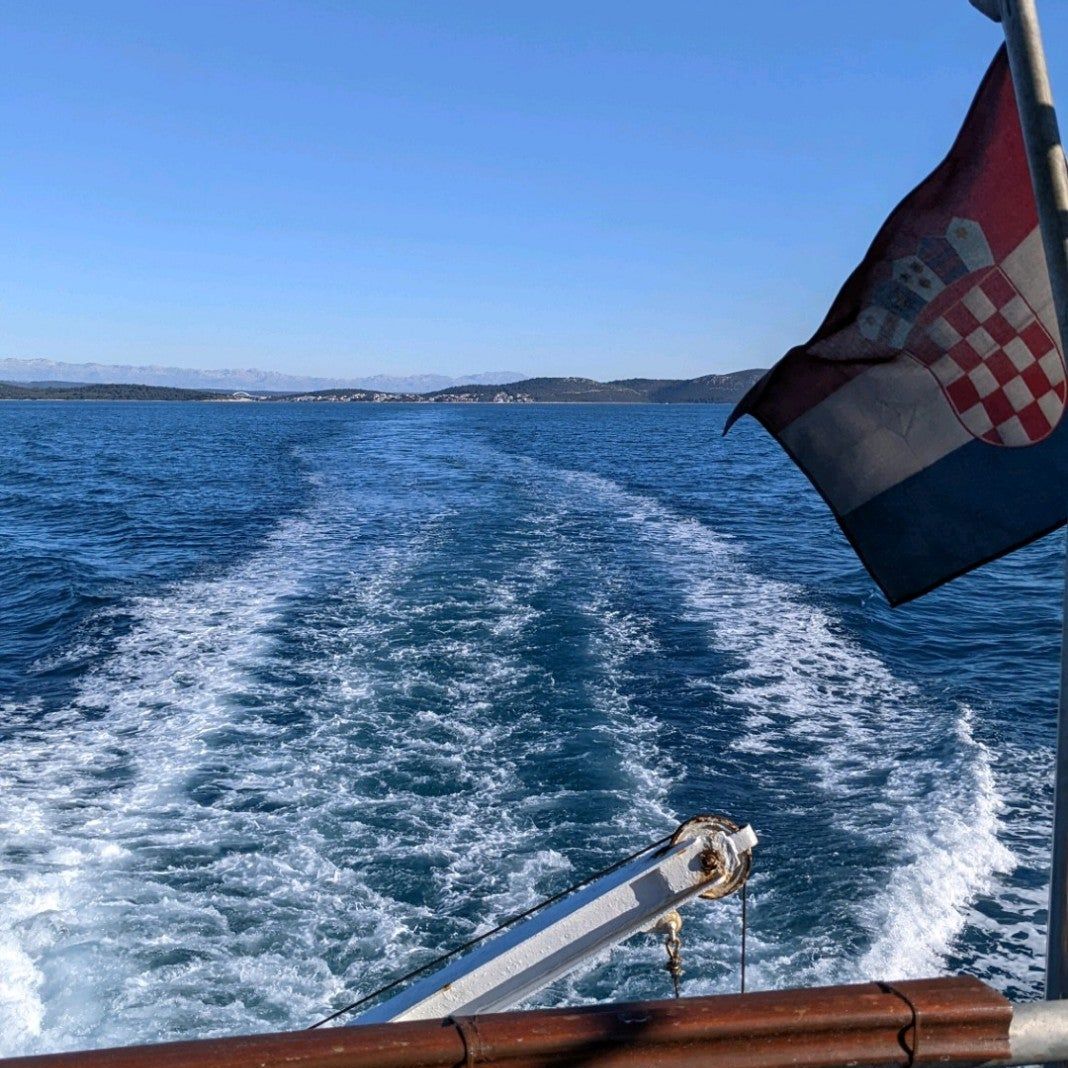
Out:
{"x": 997, "y": 363}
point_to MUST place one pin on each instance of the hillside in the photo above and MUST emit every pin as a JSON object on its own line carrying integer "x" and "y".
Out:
{"x": 715, "y": 389}
{"x": 708, "y": 389}
{"x": 110, "y": 391}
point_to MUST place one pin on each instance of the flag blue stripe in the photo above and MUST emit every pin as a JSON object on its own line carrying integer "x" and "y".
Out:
{"x": 975, "y": 504}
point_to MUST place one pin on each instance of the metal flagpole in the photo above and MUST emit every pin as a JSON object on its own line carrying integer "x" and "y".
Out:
{"x": 1045, "y": 157}
{"x": 1057, "y": 944}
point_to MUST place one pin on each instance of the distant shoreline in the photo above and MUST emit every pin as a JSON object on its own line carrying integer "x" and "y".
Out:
{"x": 398, "y": 403}
{"x": 708, "y": 389}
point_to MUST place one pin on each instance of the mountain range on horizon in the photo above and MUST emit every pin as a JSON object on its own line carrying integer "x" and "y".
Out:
{"x": 41, "y": 372}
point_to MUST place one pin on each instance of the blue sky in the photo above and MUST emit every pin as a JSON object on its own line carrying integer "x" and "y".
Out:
{"x": 349, "y": 187}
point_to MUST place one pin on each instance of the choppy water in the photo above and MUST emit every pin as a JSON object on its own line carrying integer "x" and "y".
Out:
{"x": 293, "y": 697}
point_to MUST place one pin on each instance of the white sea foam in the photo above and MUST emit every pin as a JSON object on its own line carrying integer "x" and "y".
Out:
{"x": 910, "y": 780}
{"x": 84, "y": 788}
{"x": 1007, "y": 929}
{"x": 286, "y": 783}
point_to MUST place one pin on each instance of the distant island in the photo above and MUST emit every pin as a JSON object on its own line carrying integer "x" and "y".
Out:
{"x": 115, "y": 391}
{"x": 707, "y": 389}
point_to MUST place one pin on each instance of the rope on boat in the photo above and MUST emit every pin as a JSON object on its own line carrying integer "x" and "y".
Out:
{"x": 745, "y": 929}
{"x": 671, "y": 925}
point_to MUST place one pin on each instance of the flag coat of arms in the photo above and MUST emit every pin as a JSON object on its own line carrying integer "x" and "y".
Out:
{"x": 928, "y": 409}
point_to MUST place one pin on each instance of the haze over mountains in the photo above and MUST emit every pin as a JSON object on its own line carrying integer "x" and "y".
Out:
{"x": 46, "y": 371}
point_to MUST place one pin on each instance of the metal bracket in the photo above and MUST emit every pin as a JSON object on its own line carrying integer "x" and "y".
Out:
{"x": 708, "y": 856}
{"x": 472, "y": 1040}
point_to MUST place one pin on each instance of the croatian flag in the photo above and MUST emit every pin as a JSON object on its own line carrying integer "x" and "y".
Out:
{"x": 928, "y": 409}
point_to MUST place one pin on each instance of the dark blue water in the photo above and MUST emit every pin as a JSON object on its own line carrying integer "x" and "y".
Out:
{"x": 295, "y": 696}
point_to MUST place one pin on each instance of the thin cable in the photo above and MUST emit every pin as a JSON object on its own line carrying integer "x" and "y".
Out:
{"x": 745, "y": 926}
{"x": 496, "y": 930}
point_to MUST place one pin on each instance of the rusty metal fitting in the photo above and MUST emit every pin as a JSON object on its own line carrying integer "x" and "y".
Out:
{"x": 727, "y": 871}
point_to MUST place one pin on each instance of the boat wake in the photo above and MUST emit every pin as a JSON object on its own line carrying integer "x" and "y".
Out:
{"x": 441, "y": 693}
{"x": 287, "y": 783}
{"x": 906, "y": 806}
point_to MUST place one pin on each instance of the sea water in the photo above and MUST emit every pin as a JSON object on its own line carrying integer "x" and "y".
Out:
{"x": 294, "y": 697}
